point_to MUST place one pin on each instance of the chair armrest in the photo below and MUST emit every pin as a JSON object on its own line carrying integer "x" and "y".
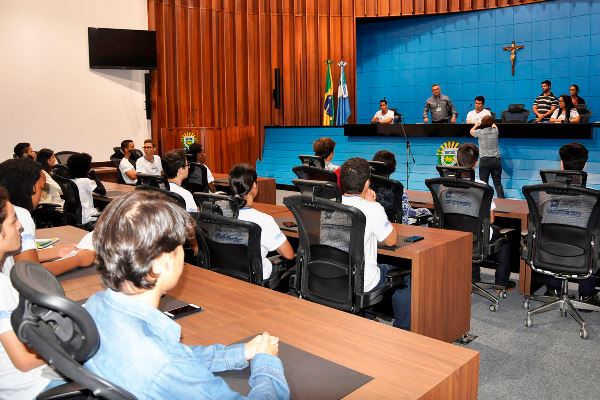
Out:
{"x": 69, "y": 390}
{"x": 506, "y": 231}
{"x": 395, "y": 278}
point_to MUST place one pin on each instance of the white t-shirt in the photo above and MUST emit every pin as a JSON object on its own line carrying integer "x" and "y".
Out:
{"x": 572, "y": 114}
{"x": 270, "y": 237}
{"x": 474, "y": 116}
{"x": 377, "y": 229}
{"x": 86, "y": 186}
{"x": 15, "y": 384}
{"x": 125, "y": 166}
{"x": 380, "y": 117}
{"x": 209, "y": 176}
{"x": 144, "y": 166}
{"x": 27, "y": 238}
{"x": 190, "y": 204}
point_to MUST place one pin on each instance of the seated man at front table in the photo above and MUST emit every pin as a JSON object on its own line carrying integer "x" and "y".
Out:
{"x": 545, "y": 104}
{"x": 138, "y": 240}
{"x": 23, "y": 150}
{"x": 150, "y": 163}
{"x": 574, "y": 156}
{"x": 176, "y": 168}
{"x": 467, "y": 156}
{"x": 384, "y": 115}
{"x": 441, "y": 107}
{"x": 476, "y": 115}
{"x": 355, "y": 178}
{"x": 126, "y": 167}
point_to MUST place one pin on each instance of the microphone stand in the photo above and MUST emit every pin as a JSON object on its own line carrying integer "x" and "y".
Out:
{"x": 409, "y": 152}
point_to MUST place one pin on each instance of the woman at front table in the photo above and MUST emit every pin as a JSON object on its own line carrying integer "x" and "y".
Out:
{"x": 565, "y": 108}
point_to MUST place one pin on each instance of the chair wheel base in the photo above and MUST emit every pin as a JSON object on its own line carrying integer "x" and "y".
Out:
{"x": 493, "y": 308}
{"x": 528, "y": 322}
{"x": 583, "y": 333}
{"x": 503, "y": 294}
{"x": 526, "y": 304}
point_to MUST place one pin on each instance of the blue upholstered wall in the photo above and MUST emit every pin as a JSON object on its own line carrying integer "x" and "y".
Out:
{"x": 400, "y": 59}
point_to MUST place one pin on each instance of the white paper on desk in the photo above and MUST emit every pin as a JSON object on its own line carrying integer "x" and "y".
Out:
{"x": 86, "y": 242}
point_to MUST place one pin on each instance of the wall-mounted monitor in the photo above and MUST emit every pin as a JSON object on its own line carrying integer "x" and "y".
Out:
{"x": 122, "y": 48}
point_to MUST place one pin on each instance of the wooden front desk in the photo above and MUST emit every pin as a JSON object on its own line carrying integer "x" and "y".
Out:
{"x": 404, "y": 365}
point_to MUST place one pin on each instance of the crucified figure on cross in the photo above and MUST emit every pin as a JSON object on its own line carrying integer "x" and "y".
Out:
{"x": 513, "y": 48}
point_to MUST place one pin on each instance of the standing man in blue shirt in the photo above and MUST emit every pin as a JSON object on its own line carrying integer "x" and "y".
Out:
{"x": 138, "y": 241}
{"x": 441, "y": 107}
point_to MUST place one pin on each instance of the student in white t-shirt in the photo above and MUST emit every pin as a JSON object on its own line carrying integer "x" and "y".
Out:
{"x": 176, "y": 167}
{"x": 149, "y": 164}
{"x": 80, "y": 170}
{"x": 355, "y": 178}
{"x": 126, "y": 166}
{"x": 24, "y": 180}
{"x": 242, "y": 180}
{"x": 476, "y": 115}
{"x": 384, "y": 115}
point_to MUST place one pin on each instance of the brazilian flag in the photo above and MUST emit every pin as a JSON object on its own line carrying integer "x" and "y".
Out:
{"x": 328, "y": 111}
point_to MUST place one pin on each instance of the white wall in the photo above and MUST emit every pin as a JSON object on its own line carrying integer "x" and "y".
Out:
{"x": 48, "y": 94}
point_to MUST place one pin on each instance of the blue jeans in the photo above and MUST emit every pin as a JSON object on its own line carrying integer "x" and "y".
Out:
{"x": 400, "y": 298}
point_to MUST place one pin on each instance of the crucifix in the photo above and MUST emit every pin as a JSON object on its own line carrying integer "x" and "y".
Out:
{"x": 513, "y": 48}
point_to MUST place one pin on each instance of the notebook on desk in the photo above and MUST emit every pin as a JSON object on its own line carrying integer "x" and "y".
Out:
{"x": 308, "y": 376}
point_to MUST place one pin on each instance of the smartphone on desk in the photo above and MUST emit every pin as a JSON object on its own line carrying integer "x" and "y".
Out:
{"x": 182, "y": 311}
{"x": 412, "y": 239}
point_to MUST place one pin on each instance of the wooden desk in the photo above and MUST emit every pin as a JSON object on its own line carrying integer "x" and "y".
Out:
{"x": 107, "y": 174}
{"x": 441, "y": 278}
{"x": 404, "y": 365}
{"x": 266, "y": 187}
{"x": 505, "y": 208}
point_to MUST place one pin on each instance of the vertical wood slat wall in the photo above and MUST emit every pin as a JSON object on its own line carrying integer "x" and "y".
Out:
{"x": 217, "y": 59}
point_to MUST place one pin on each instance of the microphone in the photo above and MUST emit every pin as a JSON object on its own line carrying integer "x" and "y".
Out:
{"x": 466, "y": 111}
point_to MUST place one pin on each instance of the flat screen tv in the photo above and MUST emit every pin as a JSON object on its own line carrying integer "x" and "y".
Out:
{"x": 122, "y": 48}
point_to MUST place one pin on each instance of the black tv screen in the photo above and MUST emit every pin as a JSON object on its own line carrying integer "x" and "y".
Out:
{"x": 122, "y": 48}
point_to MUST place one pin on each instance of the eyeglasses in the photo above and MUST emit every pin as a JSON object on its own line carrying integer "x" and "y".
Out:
{"x": 147, "y": 147}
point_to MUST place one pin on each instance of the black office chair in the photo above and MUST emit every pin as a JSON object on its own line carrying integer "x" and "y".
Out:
{"x": 116, "y": 158}
{"x": 330, "y": 256}
{"x": 380, "y": 168}
{"x": 397, "y": 116}
{"x": 60, "y": 169}
{"x": 562, "y": 241}
{"x": 584, "y": 113}
{"x": 63, "y": 156}
{"x": 197, "y": 180}
{"x": 570, "y": 177}
{"x": 464, "y": 205}
{"x": 231, "y": 247}
{"x": 313, "y": 161}
{"x": 322, "y": 189}
{"x": 389, "y": 194}
{"x": 157, "y": 181}
{"x": 61, "y": 332}
{"x": 72, "y": 207}
{"x": 176, "y": 197}
{"x": 214, "y": 203}
{"x": 314, "y": 174}
{"x": 451, "y": 171}
{"x": 515, "y": 113}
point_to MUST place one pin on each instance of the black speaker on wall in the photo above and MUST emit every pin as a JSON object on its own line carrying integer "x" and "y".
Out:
{"x": 277, "y": 92}
{"x": 147, "y": 92}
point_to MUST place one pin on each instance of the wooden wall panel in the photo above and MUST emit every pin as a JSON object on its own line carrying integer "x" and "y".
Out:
{"x": 217, "y": 59}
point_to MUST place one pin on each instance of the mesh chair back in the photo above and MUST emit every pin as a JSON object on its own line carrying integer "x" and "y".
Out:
{"x": 314, "y": 173}
{"x": 463, "y": 205}
{"x": 380, "y": 168}
{"x": 72, "y": 205}
{"x": 563, "y": 228}
{"x": 389, "y": 194}
{"x": 515, "y": 113}
{"x": 157, "y": 181}
{"x": 58, "y": 329}
{"x": 197, "y": 180}
{"x": 60, "y": 169}
{"x": 63, "y": 156}
{"x": 230, "y": 246}
{"x": 322, "y": 189}
{"x": 452, "y": 171}
{"x": 331, "y": 250}
{"x": 116, "y": 158}
{"x": 313, "y": 161}
{"x": 217, "y": 204}
{"x": 175, "y": 197}
{"x": 569, "y": 177}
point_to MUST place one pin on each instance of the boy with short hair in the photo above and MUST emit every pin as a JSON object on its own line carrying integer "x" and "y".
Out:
{"x": 149, "y": 164}
{"x": 176, "y": 167}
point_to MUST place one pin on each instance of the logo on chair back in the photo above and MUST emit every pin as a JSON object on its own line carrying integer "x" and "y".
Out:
{"x": 446, "y": 153}
{"x": 187, "y": 139}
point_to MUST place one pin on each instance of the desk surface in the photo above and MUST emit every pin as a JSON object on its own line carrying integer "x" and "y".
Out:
{"x": 404, "y": 365}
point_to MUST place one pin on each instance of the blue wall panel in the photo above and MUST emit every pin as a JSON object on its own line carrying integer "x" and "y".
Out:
{"x": 561, "y": 38}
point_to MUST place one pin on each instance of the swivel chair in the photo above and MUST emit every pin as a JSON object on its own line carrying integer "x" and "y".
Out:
{"x": 515, "y": 113}
{"x": 116, "y": 158}
{"x": 451, "y": 171}
{"x": 389, "y": 194}
{"x": 314, "y": 173}
{"x": 330, "y": 255}
{"x": 562, "y": 241}
{"x": 584, "y": 113}
{"x": 313, "y": 161}
{"x": 323, "y": 189}
{"x": 63, "y": 156}
{"x": 380, "y": 168}
{"x": 464, "y": 205}
{"x": 197, "y": 180}
{"x": 60, "y": 169}
{"x": 157, "y": 181}
{"x": 213, "y": 203}
{"x": 570, "y": 177}
{"x": 72, "y": 207}
{"x": 61, "y": 332}
{"x": 175, "y": 197}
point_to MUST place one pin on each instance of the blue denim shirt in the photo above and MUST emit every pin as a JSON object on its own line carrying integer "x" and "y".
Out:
{"x": 141, "y": 352}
